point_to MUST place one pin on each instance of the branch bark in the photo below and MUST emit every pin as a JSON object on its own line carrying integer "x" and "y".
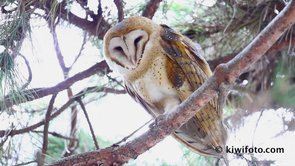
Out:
{"x": 151, "y": 8}
{"x": 278, "y": 46}
{"x": 79, "y": 100}
{"x": 224, "y": 75}
{"x": 36, "y": 93}
{"x": 45, "y": 131}
{"x": 97, "y": 27}
{"x": 120, "y": 6}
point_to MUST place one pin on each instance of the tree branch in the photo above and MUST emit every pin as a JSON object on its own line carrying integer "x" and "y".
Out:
{"x": 278, "y": 46}
{"x": 37, "y": 93}
{"x": 80, "y": 51}
{"x": 97, "y": 27}
{"x": 224, "y": 75}
{"x": 120, "y": 6}
{"x": 78, "y": 99}
{"x": 57, "y": 49}
{"x": 151, "y": 8}
{"x": 45, "y": 131}
{"x": 5, "y": 133}
{"x": 29, "y": 71}
{"x": 36, "y": 125}
{"x": 55, "y": 134}
{"x": 33, "y": 94}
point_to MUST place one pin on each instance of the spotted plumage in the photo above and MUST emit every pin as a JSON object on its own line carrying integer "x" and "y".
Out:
{"x": 161, "y": 68}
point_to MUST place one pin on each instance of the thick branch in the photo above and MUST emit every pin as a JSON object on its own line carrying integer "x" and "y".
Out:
{"x": 97, "y": 27}
{"x": 120, "y": 6}
{"x": 151, "y": 8}
{"x": 280, "y": 45}
{"x": 224, "y": 75}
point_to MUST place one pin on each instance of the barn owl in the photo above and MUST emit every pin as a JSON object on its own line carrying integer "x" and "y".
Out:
{"x": 161, "y": 68}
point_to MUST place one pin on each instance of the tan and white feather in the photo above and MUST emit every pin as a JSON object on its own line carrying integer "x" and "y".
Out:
{"x": 161, "y": 68}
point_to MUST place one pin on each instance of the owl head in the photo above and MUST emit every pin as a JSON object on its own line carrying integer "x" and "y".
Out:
{"x": 128, "y": 44}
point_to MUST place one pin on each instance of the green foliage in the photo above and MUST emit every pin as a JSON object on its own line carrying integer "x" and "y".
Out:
{"x": 9, "y": 79}
{"x": 13, "y": 29}
{"x": 86, "y": 142}
{"x": 194, "y": 159}
{"x": 283, "y": 91}
{"x": 6, "y": 63}
{"x": 56, "y": 148}
{"x": 157, "y": 162}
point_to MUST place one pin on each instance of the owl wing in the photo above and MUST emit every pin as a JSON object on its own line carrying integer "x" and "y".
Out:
{"x": 148, "y": 107}
{"x": 204, "y": 132}
{"x": 188, "y": 57}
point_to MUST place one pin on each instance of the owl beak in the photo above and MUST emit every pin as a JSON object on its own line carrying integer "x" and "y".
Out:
{"x": 131, "y": 50}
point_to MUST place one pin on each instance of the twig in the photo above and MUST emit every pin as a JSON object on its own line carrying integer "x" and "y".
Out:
{"x": 80, "y": 51}
{"x": 78, "y": 99}
{"x": 26, "y": 163}
{"x": 114, "y": 80}
{"x": 55, "y": 134}
{"x": 57, "y": 49}
{"x": 36, "y": 125}
{"x": 29, "y": 70}
{"x": 135, "y": 131}
{"x": 114, "y": 91}
{"x": 45, "y": 130}
{"x": 256, "y": 126}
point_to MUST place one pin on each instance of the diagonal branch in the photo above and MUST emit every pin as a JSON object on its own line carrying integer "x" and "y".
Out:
{"x": 80, "y": 51}
{"x": 278, "y": 46}
{"x": 78, "y": 99}
{"x": 224, "y": 75}
{"x": 37, "y": 93}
